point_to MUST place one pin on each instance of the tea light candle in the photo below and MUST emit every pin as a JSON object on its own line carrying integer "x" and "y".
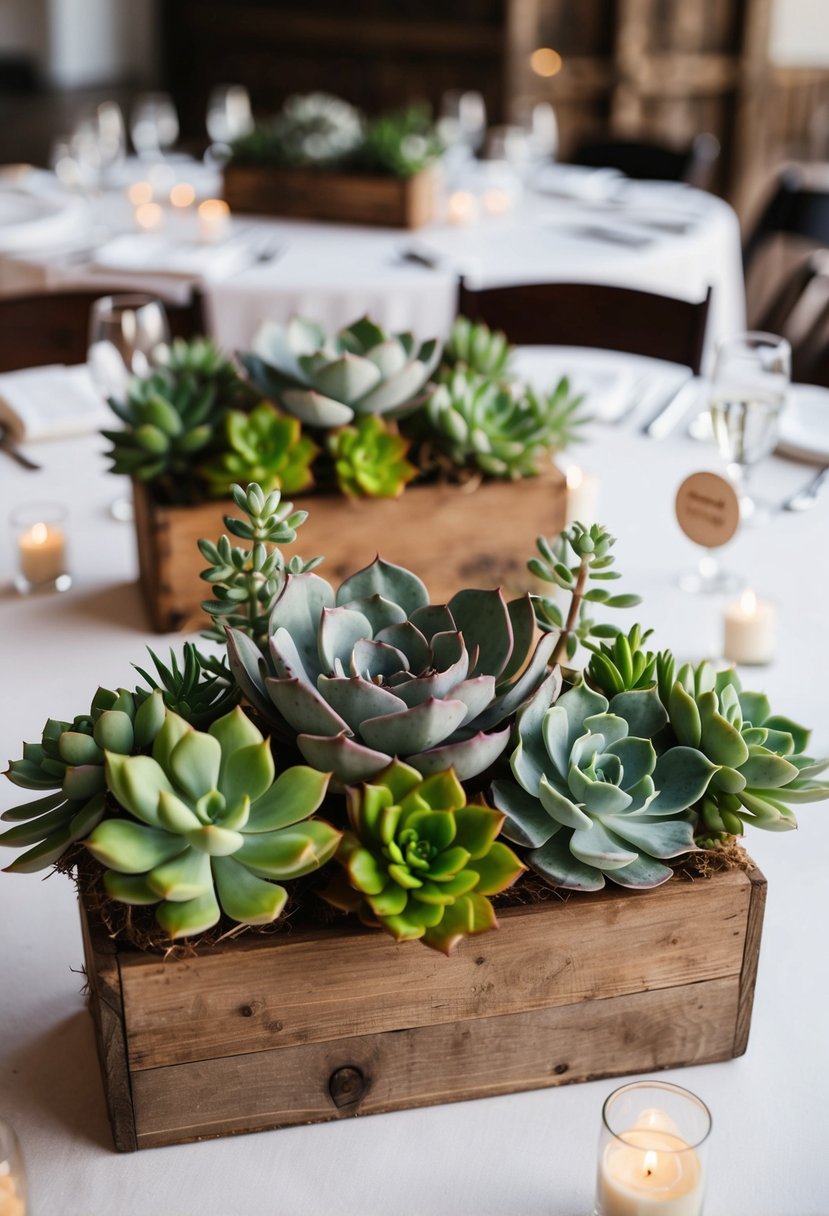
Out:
{"x": 11, "y": 1201}
{"x": 749, "y": 630}
{"x": 461, "y": 207}
{"x": 582, "y": 495}
{"x": 497, "y": 202}
{"x": 182, "y": 195}
{"x": 214, "y": 220}
{"x": 648, "y": 1172}
{"x": 42, "y": 553}
{"x": 139, "y": 193}
{"x": 148, "y": 217}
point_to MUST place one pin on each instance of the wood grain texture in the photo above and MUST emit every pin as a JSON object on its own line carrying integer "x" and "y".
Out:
{"x": 751, "y": 959}
{"x": 104, "y": 979}
{"x": 450, "y": 537}
{"x": 642, "y": 1032}
{"x": 286, "y": 990}
{"x": 344, "y": 197}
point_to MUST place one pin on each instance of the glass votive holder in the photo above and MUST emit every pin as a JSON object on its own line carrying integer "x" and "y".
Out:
{"x": 652, "y": 1152}
{"x": 12, "y": 1173}
{"x": 39, "y": 536}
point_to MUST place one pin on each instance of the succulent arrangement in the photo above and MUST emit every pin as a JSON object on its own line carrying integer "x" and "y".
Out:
{"x": 322, "y": 131}
{"x": 362, "y": 411}
{"x": 428, "y": 754}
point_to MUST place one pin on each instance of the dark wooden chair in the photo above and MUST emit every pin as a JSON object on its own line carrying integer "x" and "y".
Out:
{"x": 52, "y": 327}
{"x": 794, "y": 208}
{"x": 589, "y": 314}
{"x": 650, "y": 161}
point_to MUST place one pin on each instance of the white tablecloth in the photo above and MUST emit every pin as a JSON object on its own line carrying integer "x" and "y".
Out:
{"x": 523, "y": 1155}
{"x": 336, "y": 273}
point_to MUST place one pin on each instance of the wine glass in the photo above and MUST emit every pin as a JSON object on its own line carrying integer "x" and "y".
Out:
{"x": 153, "y": 124}
{"x": 751, "y": 376}
{"x": 539, "y": 120}
{"x": 229, "y": 117}
{"x": 462, "y": 120}
{"x": 112, "y": 136}
{"x": 128, "y": 335}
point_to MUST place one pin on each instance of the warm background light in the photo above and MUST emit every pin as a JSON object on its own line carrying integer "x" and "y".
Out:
{"x": 149, "y": 216}
{"x": 544, "y": 61}
{"x": 182, "y": 195}
{"x": 140, "y": 192}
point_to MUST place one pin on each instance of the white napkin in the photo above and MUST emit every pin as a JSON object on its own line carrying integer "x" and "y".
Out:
{"x": 147, "y": 253}
{"x": 51, "y": 403}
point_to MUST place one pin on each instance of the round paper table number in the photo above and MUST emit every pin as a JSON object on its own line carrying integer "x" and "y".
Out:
{"x": 707, "y": 509}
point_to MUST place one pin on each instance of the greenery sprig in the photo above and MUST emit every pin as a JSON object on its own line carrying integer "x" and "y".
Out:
{"x": 578, "y": 558}
{"x": 246, "y": 581}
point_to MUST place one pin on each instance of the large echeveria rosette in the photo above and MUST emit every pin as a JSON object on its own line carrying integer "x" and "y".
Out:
{"x": 589, "y": 797}
{"x": 418, "y": 861}
{"x": 375, "y": 672}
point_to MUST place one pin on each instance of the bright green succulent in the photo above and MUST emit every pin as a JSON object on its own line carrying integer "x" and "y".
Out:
{"x": 200, "y": 688}
{"x": 419, "y": 861}
{"x": 503, "y": 431}
{"x": 246, "y": 582}
{"x": 590, "y": 798}
{"x": 400, "y": 143}
{"x": 369, "y": 459}
{"x": 310, "y": 129}
{"x": 474, "y": 347}
{"x": 759, "y": 765}
{"x": 69, "y": 760}
{"x": 263, "y": 446}
{"x": 374, "y": 671}
{"x": 326, "y": 381}
{"x": 210, "y": 831}
{"x": 623, "y": 664}
{"x": 173, "y": 416}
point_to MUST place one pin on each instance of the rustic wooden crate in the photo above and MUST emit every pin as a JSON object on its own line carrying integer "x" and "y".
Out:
{"x": 317, "y": 194}
{"x": 450, "y": 537}
{"x": 306, "y": 1026}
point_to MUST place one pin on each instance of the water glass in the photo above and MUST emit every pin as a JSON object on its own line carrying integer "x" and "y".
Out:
{"x": 127, "y": 336}
{"x": 748, "y": 394}
{"x": 229, "y": 114}
{"x": 462, "y": 119}
{"x": 153, "y": 124}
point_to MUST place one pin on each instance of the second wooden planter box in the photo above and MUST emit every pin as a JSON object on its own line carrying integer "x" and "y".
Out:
{"x": 307, "y": 1026}
{"x": 451, "y": 538}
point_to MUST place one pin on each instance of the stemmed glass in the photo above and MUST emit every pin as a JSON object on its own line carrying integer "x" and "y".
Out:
{"x": 128, "y": 335}
{"x": 153, "y": 125}
{"x": 229, "y": 117}
{"x": 748, "y": 394}
{"x": 462, "y": 120}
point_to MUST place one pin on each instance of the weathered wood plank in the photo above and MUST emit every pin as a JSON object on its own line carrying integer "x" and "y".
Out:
{"x": 284, "y": 991}
{"x": 388, "y": 202}
{"x": 643, "y": 1032}
{"x": 449, "y": 537}
{"x": 105, "y": 1000}
{"x": 751, "y": 959}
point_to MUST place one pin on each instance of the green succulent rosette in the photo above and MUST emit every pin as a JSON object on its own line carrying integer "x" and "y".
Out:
{"x": 419, "y": 861}
{"x": 590, "y": 798}
{"x": 474, "y": 347}
{"x": 374, "y": 672}
{"x": 761, "y": 768}
{"x": 69, "y": 762}
{"x": 264, "y": 447}
{"x": 369, "y": 459}
{"x": 210, "y": 830}
{"x": 328, "y": 380}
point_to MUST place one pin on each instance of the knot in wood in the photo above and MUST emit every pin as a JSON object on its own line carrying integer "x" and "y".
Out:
{"x": 346, "y": 1087}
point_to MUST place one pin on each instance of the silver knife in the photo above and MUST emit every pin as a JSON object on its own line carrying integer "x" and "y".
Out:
{"x": 672, "y": 411}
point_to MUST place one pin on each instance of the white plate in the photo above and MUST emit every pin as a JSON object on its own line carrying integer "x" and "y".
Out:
{"x": 804, "y": 426}
{"x": 29, "y": 220}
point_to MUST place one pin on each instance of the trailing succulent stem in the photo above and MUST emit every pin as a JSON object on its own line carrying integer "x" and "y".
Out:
{"x": 580, "y": 557}
{"x": 247, "y": 582}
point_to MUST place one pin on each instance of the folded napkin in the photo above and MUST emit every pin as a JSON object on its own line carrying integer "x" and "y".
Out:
{"x": 51, "y": 403}
{"x": 147, "y": 253}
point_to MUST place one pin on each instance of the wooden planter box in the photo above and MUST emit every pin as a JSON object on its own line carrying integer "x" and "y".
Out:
{"x": 307, "y": 1026}
{"x": 315, "y": 194}
{"x": 451, "y": 538}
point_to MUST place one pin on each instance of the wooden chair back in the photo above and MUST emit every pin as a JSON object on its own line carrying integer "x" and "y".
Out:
{"x": 589, "y": 314}
{"x": 53, "y": 327}
{"x": 648, "y": 161}
{"x": 795, "y": 208}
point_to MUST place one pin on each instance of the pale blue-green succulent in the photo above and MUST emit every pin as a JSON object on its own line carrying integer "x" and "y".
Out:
{"x": 589, "y": 797}
{"x": 328, "y": 380}
{"x": 210, "y": 830}
{"x": 760, "y": 765}
{"x": 374, "y": 671}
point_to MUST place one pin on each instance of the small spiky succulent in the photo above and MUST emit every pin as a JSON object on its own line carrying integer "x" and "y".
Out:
{"x": 374, "y": 671}
{"x": 263, "y": 446}
{"x": 419, "y": 861}
{"x": 69, "y": 760}
{"x": 759, "y": 766}
{"x": 173, "y": 416}
{"x": 503, "y": 431}
{"x": 199, "y": 687}
{"x": 328, "y": 380}
{"x": 210, "y": 830}
{"x": 474, "y": 347}
{"x": 622, "y": 664}
{"x": 589, "y": 797}
{"x": 369, "y": 459}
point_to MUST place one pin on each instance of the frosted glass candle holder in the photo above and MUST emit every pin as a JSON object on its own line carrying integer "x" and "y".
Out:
{"x": 39, "y": 537}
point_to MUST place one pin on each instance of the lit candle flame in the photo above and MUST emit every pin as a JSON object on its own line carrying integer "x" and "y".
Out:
{"x": 182, "y": 195}
{"x": 149, "y": 216}
{"x": 650, "y": 1163}
{"x": 140, "y": 192}
{"x": 748, "y": 602}
{"x": 39, "y": 533}
{"x": 574, "y": 476}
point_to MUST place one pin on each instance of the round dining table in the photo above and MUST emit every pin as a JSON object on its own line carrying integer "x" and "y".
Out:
{"x": 571, "y": 226}
{"x": 526, "y": 1154}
